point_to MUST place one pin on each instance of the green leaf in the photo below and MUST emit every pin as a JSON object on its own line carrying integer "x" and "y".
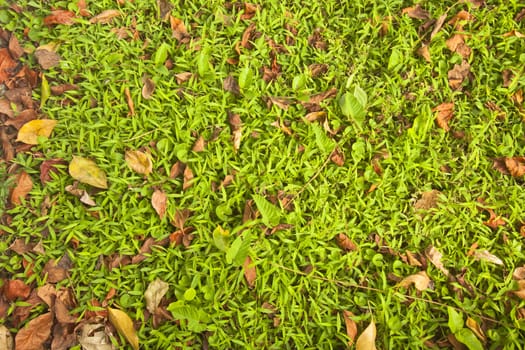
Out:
{"x": 245, "y": 77}
{"x": 299, "y": 81}
{"x": 238, "y": 251}
{"x": 467, "y": 337}
{"x": 182, "y": 311}
{"x": 395, "y": 60}
{"x": 455, "y": 320}
{"x": 361, "y": 95}
{"x": 271, "y": 215}
{"x": 325, "y": 144}
{"x": 161, "y": 55}
{"x": 220, "y": 238}
{"x": 352, "y": 107}
{"x": 190, "y": 294}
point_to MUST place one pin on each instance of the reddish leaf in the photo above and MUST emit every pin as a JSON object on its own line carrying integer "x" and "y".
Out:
{"x": 49, "y": 166}
{"x": 516, "y": 166}
{"x": 60, "y": 17}
{"x": 247, "y": 35}
{"x": 338, "y": 157}
{"x": 345, "y": 243}
{"x": 494, "y": 221}
{"x": 129, "y": 101}
{"x": 6, "y": 65}
{"x": 416, "y": 12}
{"x": 24, "y": 185}
{"x": 424, "y": 52}
{"x": 14, "y": 289}
{"x": 15, "y": 49}
{"x": 7, "y": 147}
{"x": 35, "y": 333}
{"x": 249, "y": 11}
{"x": 177, "y": 169}
{"x": 178, "y": 30}
{"x": 159, "y": 201}
{"x": 444, "y": 115}
{"x": 351, "y": 326}
{"x": 250, "y": 272}
{"x": 82, "y": 8}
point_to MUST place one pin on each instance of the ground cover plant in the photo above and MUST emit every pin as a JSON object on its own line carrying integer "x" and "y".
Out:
{"x": 281, "y": 174}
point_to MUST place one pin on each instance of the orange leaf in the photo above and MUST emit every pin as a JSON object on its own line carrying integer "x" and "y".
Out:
{"x": 159, "y": 200}
{"x": 30, "y": 131}
{"x": 35, "y": 333}
{"x": 416, "y": 12}
{"x": 178, "y": 30}
{"x": 250, "y": 272}
{"x": 129, "y": 101}
{"x": 351, "y": 326}
{"x": 14, "y": 289}
{"x": 516, "y": 166}
{"x": 105, "y": 16}
{"x": 24, "y": 185}
{"x": 60, "y": 17}
{"x": 345, "y": 243}
{"x": 444, "y": 115}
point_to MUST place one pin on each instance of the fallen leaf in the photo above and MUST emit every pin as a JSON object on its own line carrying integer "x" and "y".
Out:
{"x": 121, "y": 321}
{"x": 485, "y": 255}
{"x": 412, "y": 260}
{"x": 230, "y": 84}
{"x": 93, "y": 337}
{"x": 15, "y": 289}
{"x": 438, "y": 25}
{"x": 177, "y": 169}
{"x": 154, "y": 293}
{"x": 6, "y": 64}
{"x": 520, "y": 293}
{"x": 458, "y": 74}
{"x": 428, "y": 200}
{"x": 249, "y": 11}
{"x": 445, "y": 112}
{"x": 129, "y": 101}
{"x": 367, "y": 339}
{"x": 165, "y": 8}
{"x": 247, "y": 36}
{"x": 87, "y": 200}
{"x": 87, "y": 171}
{"x": 281, "y": 102}
{"x": 337, "y": 157}
{"x": 15, "y": 49}
{"x": 82, "y": 8}
{"x": 178, "y": 30}
{"x": 148, "y": 88}
{"x": 57, "y": 271}
{"x": 456, "y": 43}
{"x": 47, "y": 59}
{"x": 48, "y": 167}
{"x": 139, "y": 162}
{"x": 105, "y": 16}
{"x": 318, "y": 69}
{"x": 159, "y": 200}
{"x": 6, "y": 339}
{"x": 60, "y": 89}
{"x": 420, "y": 280}
{"x": 188, "y": 177}
{"x": 236, "y": 127}
{"x": 519, "y": 273}
{"x": 250, "y": 272}
{"x": 424, "y": 52}
{"x": 515, "y": 166}
{"x": 35, "y": 333}
{"x": 30, "y": 131}
{"x": 199, "y": 145}
{"x": 316, "y": 40}
{"x": 416, "y": 12}
{"x": 435, "y": 257}
{"x": 183, "y": 77}
{"x": 494, "y": 220}
{"x": 23, "y": 186}
{"x": 351, "y": 326}
{"x": 345, "y": 243}
{"x": 60, "y": 17}
{"x": 476, "y": 329}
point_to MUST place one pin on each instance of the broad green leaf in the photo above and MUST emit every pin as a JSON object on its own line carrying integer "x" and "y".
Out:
{"x": 299, "y": 81}
{"x": 190, "y": 294}
{"x": 238, "y": 251}
{"x": 395, "y": 60}
{"x": 455, "y": 320}
{"x": 467, "y": 337}
{"x": 197, "y": 319}
{"x": 220, "y": 238}
{"x": 30, "y": 131}
{"x": 245, "y": 77}
{"x": 45, "y": 91}
{"x": 325, "y": 144}
{"x": 124, "y": 325}
{"x": 361, "y": 95}
{"x": 358, "y": 150}
{"x": 87, "y": 171}
{"x": 161, "y": 55}
{"x": 271, "y": 215}
{"x": 203, "y": 62}
{"x": 351, "y": 107}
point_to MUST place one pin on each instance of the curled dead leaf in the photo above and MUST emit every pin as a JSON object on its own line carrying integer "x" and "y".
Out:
{"x": 35, "y": 333}
{"x": 420, "y": 280}
{"x": 416, "y": 12}
{"x": 458, "y": 74}
{"x": 93, "y": 337}
{"x": 515, "y": 166}
{"x": 519, "y": 273}
{"x": 485, "y": 255}
{"x": 139, "y": 162}
{"x": 24, "y": 185}
{"x": 424, "y": 52}
{"x": 154, "y": 293}
{"x": 188, "y": 177}
{"x": 30, "y": 131}
{"x": 129, "y": 101}
{"x": 250, "y": 272}
{"x": 435, "y": 257}
{"x": 6, "y": 339}
{"x": 178, "y": 30}
{"x": 476, "y": 329}
{"x": 520, "y": 292}
{"x": 345, "y": 243}
{"x": 87, "y": 171}
{"x": 367, "y": 339}
{"x": 445, "y": 112}
{"x": 230, "y": 84}
{"x": 159, "y": 201}
{"x": 122, "y": 322}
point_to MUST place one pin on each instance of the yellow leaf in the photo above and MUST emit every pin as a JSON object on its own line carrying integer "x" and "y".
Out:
{"x": 46, "y": 91}
{"x": 121, "y": 321}
{"x": 30, "y": 131}
{"x": 367, "y": 339}
{"x": 474, "y": 327}
{"x": 420, "y": 280}
{"x": 139, "y": 161}
{"x": 87, "y": 171}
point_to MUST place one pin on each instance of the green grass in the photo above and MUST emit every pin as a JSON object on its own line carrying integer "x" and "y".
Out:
{"x": 301, "y": 271}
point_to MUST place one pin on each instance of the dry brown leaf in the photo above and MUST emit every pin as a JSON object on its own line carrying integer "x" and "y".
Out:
{"x": 520, "y": 293}
{"x": 60, "y": 89}
{"x": 199, "y": 145}
{"x": 129, "y": 101}
{"x": 60, "y": 17}
{"x": 485, "y": 255}
{"x": 15, "y": 49}
{"x": 420, "y": 280}
{"x": 494, "y": 220}
{"x": 515, "y": 166}
{"x": 24, "y": 185}
{"x": 456, "y": 43}
{"x": 519, "y": 273}
{"x": 435, "y": 257}
{"x": 47, "y": 59}
{"x": 154, "y": 293}
{"x": 231, "y": 85}
{"x": 318, "y": 69}
{"x": 188, "y": 177}
{"x": 281, "y": 102}
{"x": 458, "y": 74}
{"x": 247, "y": 35}
{"x": 178, "y": 30}
{"x": 87, "y": 171}
{"x": 438, "y": 25}
{"x": 148, "y": 88}
{"x": 30, "y": 131}
{"x": 183, "y": 77}
{"x": 338, "y": 157}
{"x": 317, "y": 41}
{"x": 14, "y": 289}
{"x": 250, "y": 272}
{"x": 445, "y": 112}
{"x": 236, "y": 126}
{"x": 105, "y": 16}
{"x": 139, "y": 162}
{"x": 177, "y": 169}
{"x": 57, "y": 271}
{"x": 424, "y": 52}
{"x": 249, "y": 11}
{"x": 412, "y": 260}
{"x": 93, "y": 337}
{"x": 367, "y": 339}
{"x": 6, "y": 339}
{"x": 428, "y": 200}
{"x": 159, "y": 201}
{"x": 6, "y": 64}
{"x": 121, "y": 321}
{"x": 345, "y": 243}
{"x": 416, "y": 12}
{"x": 82, "y": 8}
{"x": 35, "y": 333}
{"x": 351, "y": 327}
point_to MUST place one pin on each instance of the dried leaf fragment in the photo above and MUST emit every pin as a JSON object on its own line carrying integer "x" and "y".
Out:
{"x": 476, "y": 329}
{"x": 159, "y": 201}
{"x": 458, "y": 74}
{"x": 14, "y": 289}
{"x": 148, "y": 88}
{"x": 30, "y": 131}
{"x": 435, "y": 257}
{"x": 6, "y": 339}
{"x": 231, "y": 85}
{"x": 485, "y": 255}
{"x": 520, "y": 293}
{"x": 178, "y": 30}
{"x": 515, "y": 165}
{"x": 199, "y": 145}
{"x": 345, "y": 243}
{"x": 87, "y": 171}
{"x": 129, "y": 101}
{"x": 235, "y": 125}
{"x": 367, "y": 339}
{"x": 428, "y": 200}
{"x": 250, "y": 272}
{"x": 93, "y": 337}
{"x": 105, "y": 16}
{"x": 351, "y": 327}
{"x": 24, "y": 185}
{"x": 154, "y": 293}
{"x": 420, "y": 280}
{"x": 416, "y": 12}
{"x": 60, "y": 17}
{"x": 445, "y": 112}
{"x": 122, "y": 322}
{"x": 139, "y": 162}
{"x": 47, "y": 59}
{"x": 188, "y": 177}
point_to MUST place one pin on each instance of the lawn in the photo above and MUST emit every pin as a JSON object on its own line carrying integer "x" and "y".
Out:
{"x": 276, "y": 175}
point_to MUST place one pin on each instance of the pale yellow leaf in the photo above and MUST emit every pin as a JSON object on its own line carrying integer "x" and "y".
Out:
{"x": 367, "y": 339}
{"x": 420, "y": 280}
{"x": 122, "y": 322}
{"x": 520, "y": 293}
{"x": 105, "y": 16}
{"x": 139, "y": 162}
{"x": 87, "y": 171}
{"x": 6, "y": 339}
{"x": 154, "y": 293}
{"x": 435, "y": 257}
{"x": 30, "y": 131}
{"x": 485, "y": 255}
